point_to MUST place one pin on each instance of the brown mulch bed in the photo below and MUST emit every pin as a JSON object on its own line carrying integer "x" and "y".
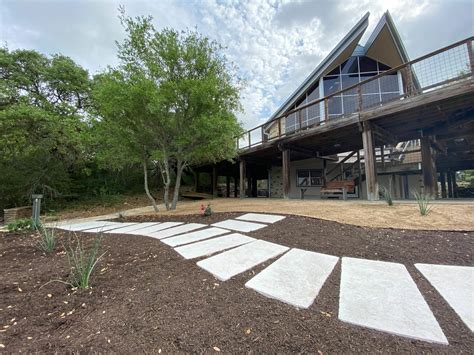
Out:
{"x": 145, "y": 297}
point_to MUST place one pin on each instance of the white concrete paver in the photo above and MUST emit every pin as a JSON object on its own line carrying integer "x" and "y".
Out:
{"x": 132, "y": 228}
{"x": 232, "y": 262}
{"x": 109, "y": 228}
{"x": 146, "y": 231}
{"x": 86, "y": 225}
{"x": 456, "y": 286}
{"x": 261, "y": 217}
{"x": 176, "y": 230}
{"x": 214, "y": 245}
{"x": 239, "y": 226}
{"x": 194, "y": 236}
{"x": 295, "y": 278}
{"x": 383, "y": 296}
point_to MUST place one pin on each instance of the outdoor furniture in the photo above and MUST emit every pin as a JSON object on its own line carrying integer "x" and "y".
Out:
{"x": 338, "y": 189}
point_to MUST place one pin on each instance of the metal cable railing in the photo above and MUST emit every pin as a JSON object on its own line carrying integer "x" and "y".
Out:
{"x": 435, "y": 70}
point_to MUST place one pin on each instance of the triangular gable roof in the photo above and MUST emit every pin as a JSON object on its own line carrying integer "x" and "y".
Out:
{"x": 384, "y": 45}
{"x": 342, "y": 50}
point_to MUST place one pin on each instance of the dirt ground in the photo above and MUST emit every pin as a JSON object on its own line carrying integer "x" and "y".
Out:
{"x": 444, "y": 216}
{"x": 145, "y": 297}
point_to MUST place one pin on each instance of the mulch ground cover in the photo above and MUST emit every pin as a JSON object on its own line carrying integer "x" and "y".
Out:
{"x": 145, "y": 297}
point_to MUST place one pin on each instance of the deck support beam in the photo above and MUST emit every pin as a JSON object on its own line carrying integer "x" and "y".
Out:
{"x": 227, "y": 185}
{"x": 450, "y": 184}
{"x": 286, "y": 173}
{"x": 243, "y": 174}
{"x": 214, "y": 182}
{"x": 369, "y": 162}
{"x": 442, "y": 180}
{"x": 428, "y": 166}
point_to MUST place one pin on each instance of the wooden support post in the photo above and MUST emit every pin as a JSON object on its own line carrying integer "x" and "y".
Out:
{"x": 442, "y": 180}
{"x": 455, "y": 185}
{"x": 471, "y": 55}
{"x": 370, "y": 163}
{"x": 428, "y": 167}
{"x": 286, "y": 173}
{"x": 236, "y": 179}
{"x": 450, "y": 184}
{"x": 359, "y": 185}
{"x": 227, "y": 185}
{"x": 243, "y": 174}
{"x": 325, "y": 171}
{"x": 382, "y": 155}
{"x": 214, "y": 182}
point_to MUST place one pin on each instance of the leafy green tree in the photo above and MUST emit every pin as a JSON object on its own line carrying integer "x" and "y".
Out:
{"x": 181, "y": 95}
{"x": 42, "y": 122}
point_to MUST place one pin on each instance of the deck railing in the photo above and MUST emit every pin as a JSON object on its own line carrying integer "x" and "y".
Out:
{"x": 432, "y": 71}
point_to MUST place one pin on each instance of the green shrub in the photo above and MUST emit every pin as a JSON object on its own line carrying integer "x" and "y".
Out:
{"x": 48, "y": 240}
{"x": 424, "y": 202}
{"x": 208, "y": 211}
{"x": 20, "y": 224}
{"x": 387, "y": 195}
{"x": 83, "y": 262}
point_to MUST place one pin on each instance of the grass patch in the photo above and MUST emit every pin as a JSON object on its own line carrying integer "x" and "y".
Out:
{"x": 48, "y": 240}
{"x": 424, "y": 203}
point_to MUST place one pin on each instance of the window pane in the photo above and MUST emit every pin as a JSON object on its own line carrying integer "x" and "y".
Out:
{"x": 370, "y": 100}
{"x": 335, "y": 71}
{"x": 314, "y": 95}
{"x": 350, "y": 104}
{"x": 332, "y": 84}
{"x": 335, "y": 105}
{"x": 372, "y": 87}
{"x": 383, "y": 67}
{"x": 367, "y": 65}
{"x": 303, "y": 177}
{"x": 389, "y": 83}
{"x": 313, "y": 112}
{"x": 350, "y": 66}
{"x": 316, "y": 181}
{"x": 349, "y": 80}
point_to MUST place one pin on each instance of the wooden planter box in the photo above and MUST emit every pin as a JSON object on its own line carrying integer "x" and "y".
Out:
{"x": 12, "y": 214}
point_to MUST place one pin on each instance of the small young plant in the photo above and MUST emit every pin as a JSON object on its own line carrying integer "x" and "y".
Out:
{"x": 48, "y": 240}
{"x": 208, "y": 210}
{"x": 387, "y": 195}
{"x": 20, "y": 224}
{"x": 424, "y": 202}
{"x": 83, "y": 262}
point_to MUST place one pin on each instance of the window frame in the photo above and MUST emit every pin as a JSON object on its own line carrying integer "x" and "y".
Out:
{"x": 319, "y": 175}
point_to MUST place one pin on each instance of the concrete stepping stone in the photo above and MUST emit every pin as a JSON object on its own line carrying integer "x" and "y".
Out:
{"x": 132, "y": 228}
{"x": 109, "y": 228}
{"x": 235, "y": 261}
{"x": 85, "y": 225}
{"x": 383, "y": 296}
{"x": 214, "y": 245}
{"x": 146, "y": 231}
{"x": 260, "y": 217}
{"x": 456, "y": 286}
{"x": 194, "y": 236}
{"x": 176, "y": 230}
{"x": 295, "y": 278}
{"x": 239, "y": 226}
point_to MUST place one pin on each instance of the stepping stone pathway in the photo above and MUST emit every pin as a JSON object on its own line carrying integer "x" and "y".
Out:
{"x": 383, "y": 296}
{"x": 233, "y": 262}
{"x": 194, "y": 236}
{"x": 132, "y": 228}
{"x": 239, "y": 226}
{"x": 112, "y": 227}
{"x": 152, "y": 229}
{"x": 456, "y": 286}
{"x": 213, "y": 245}
{"x": 86, "y": 225}
{"x": 176, "y": 230}
{"x": 260, "y": 217}
{"x": 295, "y": 278}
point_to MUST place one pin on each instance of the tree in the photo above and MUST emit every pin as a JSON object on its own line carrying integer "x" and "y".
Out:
{"x": 188, "y": 92}
{"x": 42, "y": 120}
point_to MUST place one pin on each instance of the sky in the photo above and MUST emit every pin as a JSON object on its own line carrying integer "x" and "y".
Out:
{"x": 274, "y": 43}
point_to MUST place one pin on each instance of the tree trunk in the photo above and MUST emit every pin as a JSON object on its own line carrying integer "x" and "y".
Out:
{"x": 165, "y": 175}
{"x": 179, "y": 172}
{"x": 147, "y": 190}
